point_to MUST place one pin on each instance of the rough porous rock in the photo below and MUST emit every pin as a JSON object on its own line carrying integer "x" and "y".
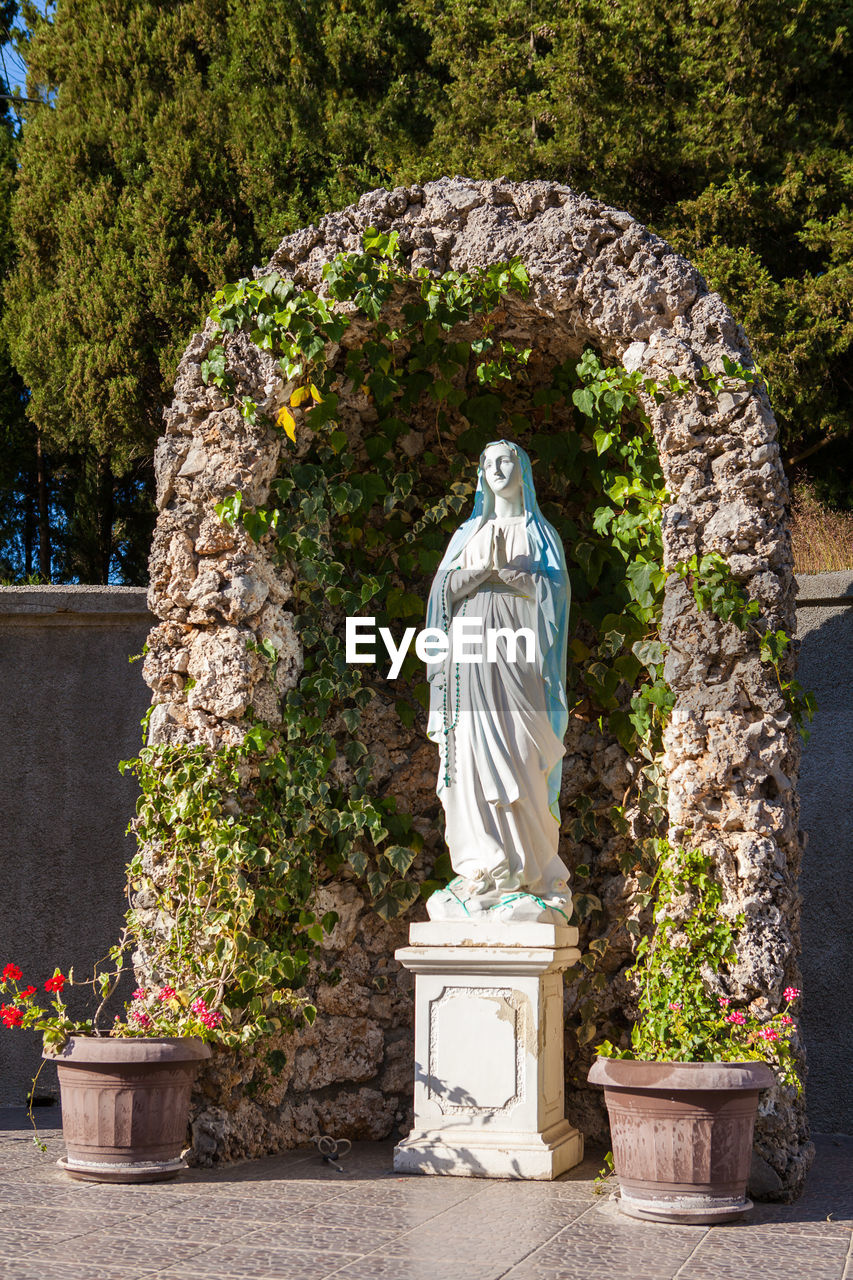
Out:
{"x": 598, "y": 277}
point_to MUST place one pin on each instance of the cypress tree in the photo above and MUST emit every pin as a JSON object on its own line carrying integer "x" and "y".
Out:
{"x": 181, "y": 140}
{"x": 23, "y": 553}
{"x": 726, "y": 127}
{"x": 124, "y": 218}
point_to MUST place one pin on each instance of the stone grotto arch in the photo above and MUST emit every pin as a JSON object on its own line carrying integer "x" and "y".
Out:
{"x": 597, "y": 277}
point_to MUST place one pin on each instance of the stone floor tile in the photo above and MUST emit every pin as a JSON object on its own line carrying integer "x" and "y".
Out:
{"x": 366, "y": 1160}
{"x": 273, "y": 1207}
{"x": 126, "y": 1198}
{"x": 250, "y": 1259}
{"x": 57, "y": 1224}
{"x": 119, "y": 1250}
{"x": 475, "y": 1238}
{"x": 378, "y": 1267}
{"x": 274, "y": 1166}
{"x": 831, "y": 1209}
{"x": 269, "y": 1188}
{"x": 290, "y": 1232}
{"x": 557, "y": 1190}
{"x": 848, "y": 1270}
{"x": 286, "y": 1265}
{"x": 261, "y": 1189}
{"x": 603, "y": 1241}
{"x": 41, "y": 1196}
{"x": 413, "y": 1190}
{"x": 777, "y": 1227}
{"x": 721, "y": 1257}
{"x": 384, "y": 1218}
{"x": 27, "y": 1268}
{"x": 18, "y": 1240}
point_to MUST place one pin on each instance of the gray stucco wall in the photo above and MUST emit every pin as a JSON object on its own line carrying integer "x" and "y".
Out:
{"x": 826, "y": 881}
{"x": 70, "y": 706}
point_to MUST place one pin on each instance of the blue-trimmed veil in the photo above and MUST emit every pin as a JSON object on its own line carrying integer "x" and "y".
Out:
{"x": 553, "y": 596}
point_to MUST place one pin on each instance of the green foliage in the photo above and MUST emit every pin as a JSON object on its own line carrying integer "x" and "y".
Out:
{"x": 123, "y": 218}
{"x": 178, "y": 143}
{"x": 18, "y": 461}
{"x": 730, "y": 137}
{"x": 682, "y": 1014}
{"x": 716, "y": 590}
{"x": 229, "y": 879}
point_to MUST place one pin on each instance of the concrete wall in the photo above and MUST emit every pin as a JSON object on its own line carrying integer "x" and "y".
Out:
{"x": 70, "y": 706}
{"x": 825, "y": 627}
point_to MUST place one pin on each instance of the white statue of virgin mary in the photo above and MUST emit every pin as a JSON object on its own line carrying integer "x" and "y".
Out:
{"x": 499, "y": 717}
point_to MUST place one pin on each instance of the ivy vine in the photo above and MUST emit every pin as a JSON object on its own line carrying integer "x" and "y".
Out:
{"x": 361, "y": 516}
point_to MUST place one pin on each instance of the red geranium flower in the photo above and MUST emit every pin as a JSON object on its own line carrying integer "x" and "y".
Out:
{"x": 26, "y": 993}
{"x": 11, "y": 1016}
{"x": 12, "y": 973}
{"x": 56, "y": 983}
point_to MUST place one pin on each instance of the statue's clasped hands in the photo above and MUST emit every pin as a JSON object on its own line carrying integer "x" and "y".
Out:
{"x": 497, "y": 569}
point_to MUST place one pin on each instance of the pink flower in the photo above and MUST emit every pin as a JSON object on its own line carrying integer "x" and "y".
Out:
{"x": 736, "y": 1017}
{"x": 791, "y": 993}
{"x": 166, "y": 993}
{"x": 198, "y": 1006}
{"x": 724, "y": 1001}
{"x": 768, "y": 1033}
{"x": 140, "y": 993}
{"x": 786, "y": 1020}
{"x": 12, "y": 973}
{"x": 676, "y": 1006}
{"x": 211, "y": 1019}
{"x": 141, "y": 1017}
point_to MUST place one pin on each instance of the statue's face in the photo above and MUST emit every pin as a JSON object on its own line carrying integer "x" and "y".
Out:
{"x": 502, "y": 471}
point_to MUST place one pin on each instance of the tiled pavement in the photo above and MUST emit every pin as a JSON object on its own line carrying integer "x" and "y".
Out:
{"x": 292, "y": 1217}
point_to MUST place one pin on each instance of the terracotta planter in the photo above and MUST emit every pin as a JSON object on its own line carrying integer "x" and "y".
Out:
{"x": 682, "y": 1135}
{"x": 125, "y": 1105}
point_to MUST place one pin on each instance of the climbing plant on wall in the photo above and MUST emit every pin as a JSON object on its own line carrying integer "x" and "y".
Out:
{"x": 385, "y": 353}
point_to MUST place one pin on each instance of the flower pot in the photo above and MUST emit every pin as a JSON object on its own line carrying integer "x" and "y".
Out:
{"x": 125, "y": 1105}
{"x": 682, "y": 1135}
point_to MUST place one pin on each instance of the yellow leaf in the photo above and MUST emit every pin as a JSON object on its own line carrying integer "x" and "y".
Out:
{"x": 286, "y": 420}
{"x": 299, "y": 396}
{"x": 315, "y": 394}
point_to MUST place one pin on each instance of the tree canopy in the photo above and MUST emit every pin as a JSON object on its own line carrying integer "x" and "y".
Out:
{"x": 178, "y": 141}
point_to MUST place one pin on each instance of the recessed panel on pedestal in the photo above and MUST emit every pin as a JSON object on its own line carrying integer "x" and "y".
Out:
{"x": 474, "y": 1049}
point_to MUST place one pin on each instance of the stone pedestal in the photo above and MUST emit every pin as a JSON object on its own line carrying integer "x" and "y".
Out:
{"x": 489, "y": 1091}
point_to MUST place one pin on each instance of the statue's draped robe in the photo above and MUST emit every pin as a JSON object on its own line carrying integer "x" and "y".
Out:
{"x": 503, "y": 750}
